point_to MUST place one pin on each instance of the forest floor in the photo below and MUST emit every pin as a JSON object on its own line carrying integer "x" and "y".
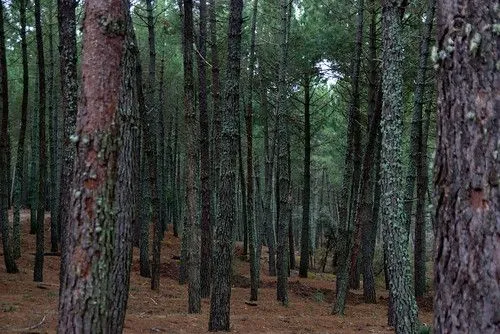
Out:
{"x": 29, "y": 307}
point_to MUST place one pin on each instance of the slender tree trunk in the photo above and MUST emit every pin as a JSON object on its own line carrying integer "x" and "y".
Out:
{"x": 144, "y": 212}
{"x": 69, "y": 105}
{"x": 242, "y": 191}
{"x": 226, "y": 215}
{"x": 416, "y": 169}
{"x": 306, "y": 191}
{"x": 92, "y": 222}
{"x": 206, "y": 195}
{"x": 254, "y": 263}
{"x": 42, "y": 155}
{"x": 18, "y": 183}
{"x": 467, "y": 173}
{"x": 351, "y": 173}
{"x": 283, "y": 175}
{"x": 191, "y": 165}
{"x": 392, "y": 211}
{"x": 10, "y": 263}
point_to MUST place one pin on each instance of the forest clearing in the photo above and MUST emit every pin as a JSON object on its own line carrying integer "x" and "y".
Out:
{"x": 31, "y": 307}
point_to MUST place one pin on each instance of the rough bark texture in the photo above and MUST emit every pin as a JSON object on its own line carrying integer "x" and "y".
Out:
{"x": 84, "y": 300}
{"x": 10, "y": 264}
{"x": 306, "y": 191}
{"x": 391, "y": 205}
{"x": 206, "y": 193}
{"x": 42, "y": 154}
{"x": 126, "y": 187}
{"x": 220, "y": 301}
{"x": 467, "y": 179}
{"x": 69, "y": 105}
{"x": 18, "y": 182}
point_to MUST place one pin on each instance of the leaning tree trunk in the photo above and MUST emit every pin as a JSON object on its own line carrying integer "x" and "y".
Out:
{"x": 391, "y": 205}
{"x": 91, "y": 243}
{"x": 467, "y": 174}
{"x": 19, "y": 176}
{"x": 10, "y": 264}
{"x": 226, "y": 216}
{"x": 42, "y": 155}
{"x": 69, "y": 97}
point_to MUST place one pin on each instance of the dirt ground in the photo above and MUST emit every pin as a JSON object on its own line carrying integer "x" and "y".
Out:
{"x": 29, "y": 307}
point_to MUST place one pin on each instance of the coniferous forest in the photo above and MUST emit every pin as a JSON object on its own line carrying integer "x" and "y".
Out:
{"x": 272, "y": 166}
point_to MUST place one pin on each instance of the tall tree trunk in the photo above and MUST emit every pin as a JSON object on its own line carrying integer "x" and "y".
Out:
{"x": 10, "y": 263}
{"x": 42, "y": 155}
{"x": 53, "y": 115}
{"x": 18, "y": 183}
{"x": 467, "y": 175}
{"x": 191, "y": 165}
{"x": 351, "y": 172}
{"x": 306, "y": 191}
{"x": 254, "y": 262}
{"x": 91, "y": 244}
{"x": 283, "y": 175}
{"x": 269, "y": 149}
{"x": 69, "y": 105}
{"x": 126, "y": 186}
{"x": 206, "y": 195}
{"x": 392, "y": 211}
{"x": 226, "y": 215}
{"x": 242, "y": 191}
{"x": 144, "y": 211}
{"x": 416, "y": 169}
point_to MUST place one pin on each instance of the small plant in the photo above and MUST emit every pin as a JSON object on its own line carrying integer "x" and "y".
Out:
{"x": 8, "y": 308}
{"x": 319, "y": 297}
{"x": 425, "y": 329}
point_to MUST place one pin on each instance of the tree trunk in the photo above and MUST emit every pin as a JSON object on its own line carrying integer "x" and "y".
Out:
{"x": 10, "y": 264}
{"x": 467, "y": 173}
{"x": 351, "y": 173}
{"x": 90, "y": 248}
{"x": 418, "y": 159}
{"x": 69, "y": 105}
{"x": 306, "y": 192}
{"x": 42, "y": 155}
{"x": 283, "y": 175}
{"x": 206, "y": 195}
{"x": 18, "y": 183}
{"x": 392, "y": 211}
{"x": 226, "y": 215}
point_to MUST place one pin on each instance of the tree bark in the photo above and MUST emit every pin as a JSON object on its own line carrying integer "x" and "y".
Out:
{"x": 226, "y": 215}
{"x": 42, "y": 155}
{"x": 467, "y": 171}
{"x": 392, "y": 211}
{"x": 91, "y": 245}
{"x": 10, "y": 263}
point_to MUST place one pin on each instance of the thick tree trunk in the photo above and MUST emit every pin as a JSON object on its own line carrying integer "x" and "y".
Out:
{"x": 91, "y": 245}
{"x": 392, "y": 211}
{"x": 206, "y": 194}
{"x": 226, "y": 215}
{"x": 467, "y": 173}
{"x": 10, "y": 264}
{"x": 42, "y": 155}
{"x": 19, "y": 177}
{"x": 69, "y": 105}
{"x": 306, "y": 191}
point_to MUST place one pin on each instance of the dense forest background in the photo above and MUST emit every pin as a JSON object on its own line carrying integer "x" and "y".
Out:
{"x": 306, "y": 132}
